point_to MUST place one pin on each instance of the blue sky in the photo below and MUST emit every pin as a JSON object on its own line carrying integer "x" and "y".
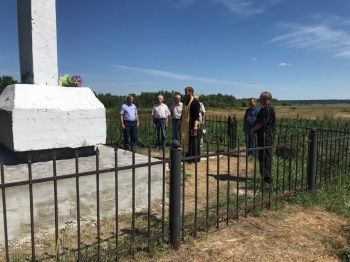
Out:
{"x": 296, "y": 49}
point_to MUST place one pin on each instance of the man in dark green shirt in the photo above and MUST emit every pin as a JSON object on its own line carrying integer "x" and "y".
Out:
{"x": 264, "y": 128}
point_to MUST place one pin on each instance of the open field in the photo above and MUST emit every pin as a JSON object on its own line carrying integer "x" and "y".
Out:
{"x": 314, "y": 111}
{"x": 334, "y": 111}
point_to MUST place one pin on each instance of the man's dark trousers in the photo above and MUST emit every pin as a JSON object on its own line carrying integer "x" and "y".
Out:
{"x": 130, "y": 132}
{"x": 265, "y": 157}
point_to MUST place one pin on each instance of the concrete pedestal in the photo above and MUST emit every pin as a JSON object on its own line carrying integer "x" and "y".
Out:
{"x": 41, "y": 117}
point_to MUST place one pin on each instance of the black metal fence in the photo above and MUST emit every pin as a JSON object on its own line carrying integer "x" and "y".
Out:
{"x": 218, "y": 129}
{"x": 224, "y": 185}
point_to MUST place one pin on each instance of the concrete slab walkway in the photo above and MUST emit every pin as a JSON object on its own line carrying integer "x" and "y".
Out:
{"x": 18, "y": 197}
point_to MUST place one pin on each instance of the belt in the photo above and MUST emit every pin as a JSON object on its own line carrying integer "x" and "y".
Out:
{"x": 130, "y": 121}
{"x": 160, "y": 118}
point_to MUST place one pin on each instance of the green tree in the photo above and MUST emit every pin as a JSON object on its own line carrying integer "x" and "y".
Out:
{"x": 7, "y": 80}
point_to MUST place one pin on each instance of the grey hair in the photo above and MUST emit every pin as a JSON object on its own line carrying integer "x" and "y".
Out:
{"x": 267, "y": 95}
{"x": 177, "y": 96}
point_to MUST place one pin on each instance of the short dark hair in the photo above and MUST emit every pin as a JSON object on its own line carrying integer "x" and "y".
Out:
{"x": 189, "y": 89}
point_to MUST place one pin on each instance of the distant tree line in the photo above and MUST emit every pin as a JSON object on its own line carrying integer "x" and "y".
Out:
{"x": 148, "y": 99}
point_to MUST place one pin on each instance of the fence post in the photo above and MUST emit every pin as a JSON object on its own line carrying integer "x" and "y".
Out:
{"x": 229, "y": 131}
{"x": 234, "y": 132}
{"x": 175, "y": 194}
{"x": 311, "y": 176}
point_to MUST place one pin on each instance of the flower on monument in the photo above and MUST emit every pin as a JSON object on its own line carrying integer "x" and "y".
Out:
{"x": 74, "y": 81}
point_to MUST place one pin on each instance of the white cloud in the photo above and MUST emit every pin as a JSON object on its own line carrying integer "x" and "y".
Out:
{"x": 247, "y": 8}
{"x": 254, "y": 59}
{"x": 181, "y": 77}
{"x": 285, "y": 64}
{"x": 345, "y": 54}
{"x": 326, "y": 35}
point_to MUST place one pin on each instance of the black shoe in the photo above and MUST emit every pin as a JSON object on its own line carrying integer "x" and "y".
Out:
{"x": 268, "y": 180}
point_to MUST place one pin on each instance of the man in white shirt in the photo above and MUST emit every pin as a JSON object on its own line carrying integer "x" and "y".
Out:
{"x": 201, "y": 119}
{"x": 176, "y": 112}
{"x": 160, "y": 115}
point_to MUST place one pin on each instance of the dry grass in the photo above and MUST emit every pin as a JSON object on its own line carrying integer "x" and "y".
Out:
{"x": 336, "y": 111}
{"x": 291, "y": 234}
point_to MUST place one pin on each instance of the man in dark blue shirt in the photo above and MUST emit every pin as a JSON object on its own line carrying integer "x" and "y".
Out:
{"x": 248, "y": 123}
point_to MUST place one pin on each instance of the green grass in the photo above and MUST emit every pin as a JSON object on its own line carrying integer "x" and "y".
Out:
{"x": 333, "y": 197}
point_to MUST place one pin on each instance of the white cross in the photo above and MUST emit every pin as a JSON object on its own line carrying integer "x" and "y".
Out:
{"x": 37, "y": 41}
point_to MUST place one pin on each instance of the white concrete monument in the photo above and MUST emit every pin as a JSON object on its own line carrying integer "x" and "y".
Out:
{"x": 38, "y": 114}
{"x": 37, "y": 39}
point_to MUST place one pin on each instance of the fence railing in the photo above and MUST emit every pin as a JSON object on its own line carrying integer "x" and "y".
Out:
{"x": 77, "y": 209}
{"x": 219, "y": 129}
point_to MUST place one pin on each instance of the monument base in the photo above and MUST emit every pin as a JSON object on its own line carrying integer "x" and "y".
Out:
{"x": 15, "y": 158}
{"x": 40, "y": 117}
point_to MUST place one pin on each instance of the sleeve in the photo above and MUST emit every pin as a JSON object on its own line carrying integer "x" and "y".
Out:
{"x": 259, "y": 118}
{"x": 194, "y": 111}
{"x": 264, "y": 116}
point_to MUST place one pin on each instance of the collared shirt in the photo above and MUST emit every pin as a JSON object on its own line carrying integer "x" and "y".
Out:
{"x": 176, "y": 110}
{"x": 250, "y": 117}
{"x": 267, "y": 118}
{"x": 201, "y": 111}
{"x": 129, "y": 112}
{"x": 160, "y": 111}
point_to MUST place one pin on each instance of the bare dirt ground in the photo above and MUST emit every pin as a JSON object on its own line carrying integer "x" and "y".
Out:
{"x": 292, "y": 233}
